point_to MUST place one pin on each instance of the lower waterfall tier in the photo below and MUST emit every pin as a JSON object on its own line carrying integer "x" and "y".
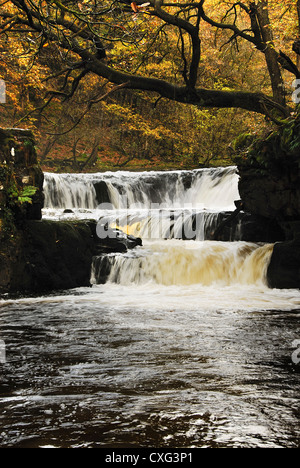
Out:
{"x": 186, "y": 263}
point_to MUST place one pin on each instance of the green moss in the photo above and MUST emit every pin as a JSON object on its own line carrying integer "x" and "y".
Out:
{"x": 14, "y": 199}
{"x": 274, "y": 152}
{"x": 7, "y": 224}
{"x": 243, "y": 141}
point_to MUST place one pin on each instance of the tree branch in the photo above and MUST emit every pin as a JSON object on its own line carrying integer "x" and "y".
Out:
{"x": 199, "y": 97}
{"x": 230, "y": 27}
{"x": 188, "y": 94}
{"x": 88, "y": 108}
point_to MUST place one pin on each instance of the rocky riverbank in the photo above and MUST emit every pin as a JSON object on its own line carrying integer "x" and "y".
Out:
{"x": 38, "y": 255}
{"x": 51, "y": 255}
{"x": 269, "y": 187}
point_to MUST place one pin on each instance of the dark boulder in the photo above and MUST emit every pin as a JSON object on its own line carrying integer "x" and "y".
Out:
{"x": 271, "y": 195}
{"x": 102, "y": 193}
{"x": 55, "y": 255}
{"x": 284, "y": 269}
{"x": 114, "y": 240}
{"x": 247, "y": 227}
{"x": 269, "y": 170}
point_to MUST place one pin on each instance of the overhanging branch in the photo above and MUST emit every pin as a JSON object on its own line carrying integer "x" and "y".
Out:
{"x": 188, "y": 94}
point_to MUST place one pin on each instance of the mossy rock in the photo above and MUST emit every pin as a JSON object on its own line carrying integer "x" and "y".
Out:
{"x": 275, "y": 153}
{"x": 243, "y": 141}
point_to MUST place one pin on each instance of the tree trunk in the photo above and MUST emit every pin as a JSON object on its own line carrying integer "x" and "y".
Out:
{"x": 270, "y": 52}
{"x": 298, "y": 53}
{"x": 204, "y": 98}
{"x": 92, "y": 159}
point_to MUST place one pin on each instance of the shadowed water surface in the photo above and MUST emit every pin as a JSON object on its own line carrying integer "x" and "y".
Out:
{"x": 184, "y": 346}
{"x": 85, "y": 370}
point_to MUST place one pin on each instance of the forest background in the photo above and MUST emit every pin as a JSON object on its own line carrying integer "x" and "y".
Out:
{"x": 135, "y": 130}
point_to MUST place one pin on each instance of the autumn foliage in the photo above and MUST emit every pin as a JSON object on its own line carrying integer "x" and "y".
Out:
{"x": 86, "y": 122}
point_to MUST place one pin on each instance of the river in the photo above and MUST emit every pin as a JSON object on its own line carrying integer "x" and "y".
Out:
{"x": 184, "y": 345}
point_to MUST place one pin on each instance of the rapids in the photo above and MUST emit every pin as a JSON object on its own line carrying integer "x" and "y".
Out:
{"x": 155, "y": 205}
{"x": 215, "y": 189}
{"x": 181, "y": 263}
{"x": 178, "y": 343}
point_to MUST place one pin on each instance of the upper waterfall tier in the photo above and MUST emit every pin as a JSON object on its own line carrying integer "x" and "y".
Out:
{"x": 213, "y": 189}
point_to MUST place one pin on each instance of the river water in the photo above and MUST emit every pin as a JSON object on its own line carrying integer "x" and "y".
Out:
{"x": 183, "y": 346}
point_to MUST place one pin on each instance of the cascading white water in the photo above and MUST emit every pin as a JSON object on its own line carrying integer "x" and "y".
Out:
{"x": 158, "y": 206}
{"x": 187, "y": 263}
{"x": 156, "y": 224}
{"x": 210, "y": 189}
{"x": 151, "y": 205}
{"x": 69, "y": 191}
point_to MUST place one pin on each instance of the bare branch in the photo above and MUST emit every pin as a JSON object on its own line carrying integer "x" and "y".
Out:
{"x": 81, "y": 40}
{"x": 88, "y": 108}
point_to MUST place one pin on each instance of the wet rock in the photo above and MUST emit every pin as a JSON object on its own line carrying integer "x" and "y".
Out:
{"x": 18, "y": 157}
{"x": 10, "y": 253}
{"x": 284, "y": 269}
{"x": 102, "y": 193}
{"x": 114, "y": 240}
{"x": 269, "y": 172}
{"x": 55, "y": 255}
{"x": 271, "y": 195}
{"x": 246, "y": 227}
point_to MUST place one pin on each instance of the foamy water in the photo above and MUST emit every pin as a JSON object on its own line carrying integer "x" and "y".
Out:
{"x": 183, "y": 346}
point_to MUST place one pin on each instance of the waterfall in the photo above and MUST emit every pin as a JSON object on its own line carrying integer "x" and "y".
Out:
{"x": 176, "y": 224}
{"x": 177, "y": 263}
{"x": 214, "y": 189}
{"x": 151, "y": 205}
{"x": 69, "y": 191}
{"x": 210, "y": 189}
{"x": 175, "y": 213}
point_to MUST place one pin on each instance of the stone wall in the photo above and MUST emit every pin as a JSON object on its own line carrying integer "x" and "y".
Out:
{"x": 270, "y": 187}
{"x": 272, "y": 196}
